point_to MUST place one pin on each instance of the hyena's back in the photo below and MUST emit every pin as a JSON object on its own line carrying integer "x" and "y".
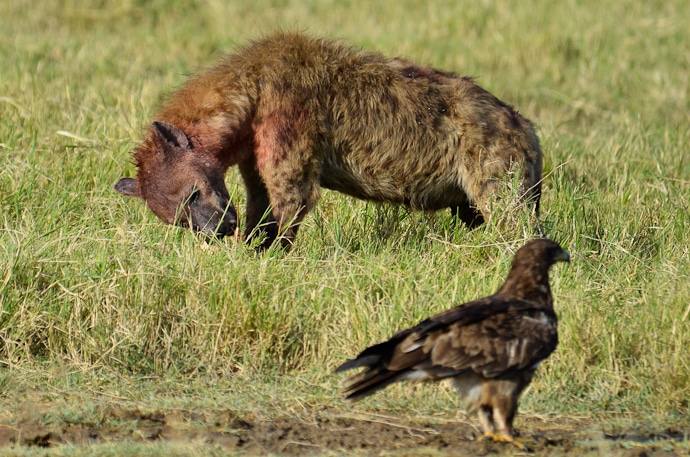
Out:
{"x": 437, "y": 146}
{"x": 296, "y": 113}
{"x": 389, "y": 130}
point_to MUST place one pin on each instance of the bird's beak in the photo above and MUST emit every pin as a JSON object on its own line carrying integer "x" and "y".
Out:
{"x": 563, "y": 256}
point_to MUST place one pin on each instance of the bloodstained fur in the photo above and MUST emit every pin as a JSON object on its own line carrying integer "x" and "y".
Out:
{"x": 297, "y": 113}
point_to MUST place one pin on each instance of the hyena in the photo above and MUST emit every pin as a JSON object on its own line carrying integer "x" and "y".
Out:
{"x": 297, "y": 113}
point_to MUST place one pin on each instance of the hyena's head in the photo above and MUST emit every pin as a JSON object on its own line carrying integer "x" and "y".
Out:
{"x": 180, "y": 185}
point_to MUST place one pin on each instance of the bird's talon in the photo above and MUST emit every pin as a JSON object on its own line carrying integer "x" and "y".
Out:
{"x": 504, "y": 438}
{"x": 487, "y": 436}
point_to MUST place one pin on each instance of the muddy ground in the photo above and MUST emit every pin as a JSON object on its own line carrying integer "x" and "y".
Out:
{"x": 330, "y": 432}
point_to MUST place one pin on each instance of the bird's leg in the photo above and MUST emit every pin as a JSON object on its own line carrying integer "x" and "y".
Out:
{"x": 504, "y": 426}
{"x": 486, "y": 422}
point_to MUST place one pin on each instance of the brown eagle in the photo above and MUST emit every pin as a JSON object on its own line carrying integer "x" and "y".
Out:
{"x": 490, "y": 347}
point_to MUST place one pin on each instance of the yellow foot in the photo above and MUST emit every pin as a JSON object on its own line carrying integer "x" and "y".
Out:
{"x": 508, "y": 438}
{"x": 487, "y": 436}
{"x": 498, "y": 437}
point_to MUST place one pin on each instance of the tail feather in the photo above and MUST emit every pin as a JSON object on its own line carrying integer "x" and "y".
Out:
{"x": 369, "y": 381}
{"x": 376, "y": 376}
{"x": 368, "y": 361}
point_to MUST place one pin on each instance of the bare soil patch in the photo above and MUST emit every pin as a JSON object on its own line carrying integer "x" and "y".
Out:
{"x": 331, "y": 432}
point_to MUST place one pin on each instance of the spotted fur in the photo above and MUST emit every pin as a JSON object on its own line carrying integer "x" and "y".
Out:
{"x": 297, "y": 114}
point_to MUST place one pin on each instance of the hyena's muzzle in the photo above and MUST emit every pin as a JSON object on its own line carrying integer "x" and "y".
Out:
{"x": 213, "y": 215}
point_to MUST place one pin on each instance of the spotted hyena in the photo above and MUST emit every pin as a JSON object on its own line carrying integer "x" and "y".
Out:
{"x": 297, "y": 113}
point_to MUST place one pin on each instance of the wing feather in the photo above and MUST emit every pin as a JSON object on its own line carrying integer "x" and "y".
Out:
{"x": 492, "y": 336}
{"x": 498, "y": 345}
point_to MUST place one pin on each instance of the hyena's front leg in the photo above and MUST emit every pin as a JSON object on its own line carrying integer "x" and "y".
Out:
{"x": 288, "y": 164}
{"x": 258, "y": 220}
{"x": 293, "y": 190}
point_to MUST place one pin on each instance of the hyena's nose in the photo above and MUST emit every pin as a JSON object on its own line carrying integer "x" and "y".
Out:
{"x": 214, "y": 221}
{"x": 227, "y": 223}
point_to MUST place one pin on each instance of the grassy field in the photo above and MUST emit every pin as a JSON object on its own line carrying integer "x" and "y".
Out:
{"x": 103, "y": 304}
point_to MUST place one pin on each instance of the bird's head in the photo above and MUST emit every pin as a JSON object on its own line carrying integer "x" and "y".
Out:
{"x": 541, "y": 252}
{"x": 529, "y": 274}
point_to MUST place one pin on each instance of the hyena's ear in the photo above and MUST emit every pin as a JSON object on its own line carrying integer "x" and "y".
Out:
{"x": 169, "y": 136}
{"x": 128, "y": 187}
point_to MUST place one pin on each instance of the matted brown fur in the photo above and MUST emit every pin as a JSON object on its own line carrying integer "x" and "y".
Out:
{"x": 297, "y": 113}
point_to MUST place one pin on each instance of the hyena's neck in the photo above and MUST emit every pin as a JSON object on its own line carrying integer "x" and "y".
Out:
{"x": 216, "y": 141}
{"x": 216, "y": 119}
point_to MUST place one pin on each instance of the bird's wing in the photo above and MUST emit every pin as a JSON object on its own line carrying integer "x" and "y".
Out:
{"x": 488, "y": 337}
{"x": 492, "y": 336}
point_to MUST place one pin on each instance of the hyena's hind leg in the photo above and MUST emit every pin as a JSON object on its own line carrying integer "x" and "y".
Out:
{"x": 508, "y": 199}
{"x": 467, "y": 214}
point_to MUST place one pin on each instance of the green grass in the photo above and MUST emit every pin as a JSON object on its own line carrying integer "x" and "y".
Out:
{"x": 98, "y": 295}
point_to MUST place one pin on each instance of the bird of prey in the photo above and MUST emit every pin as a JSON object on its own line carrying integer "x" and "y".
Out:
{"x": 490, "y": 347}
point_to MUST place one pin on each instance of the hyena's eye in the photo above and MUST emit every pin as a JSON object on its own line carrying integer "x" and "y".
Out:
{"x": 193, "y": 197}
